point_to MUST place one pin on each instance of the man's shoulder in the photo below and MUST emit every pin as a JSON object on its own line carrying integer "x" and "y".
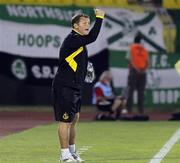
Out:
{"x": 136, "y": 46}
{"x": 71, "y": 37}
{"x": 67, "y": 41}
{"x": 100, "y": 84}
{"x": 97, "y": 83}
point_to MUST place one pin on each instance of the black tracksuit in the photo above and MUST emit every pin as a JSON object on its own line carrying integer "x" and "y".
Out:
{"x": 69, "y": 79}
{"x": 65, "y": 75}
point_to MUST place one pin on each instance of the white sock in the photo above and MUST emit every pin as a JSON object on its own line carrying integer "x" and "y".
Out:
{"x": 65, "y": 152}
{"x": 72, "y": 148}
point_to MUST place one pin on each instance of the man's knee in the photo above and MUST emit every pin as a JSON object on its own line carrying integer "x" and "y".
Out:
{"x": 117, "y": 102}
{"x": 76, "y": 119}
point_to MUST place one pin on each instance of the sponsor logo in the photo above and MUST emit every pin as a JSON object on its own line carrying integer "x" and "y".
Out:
{"x": 41, "y": 12}
{"x": 65, "y": 116}
{"x": 38, "y": 41}
{"x": 43, "y": 72}
{"x": 169, "y": 96}
{"x": 18, "y": 69}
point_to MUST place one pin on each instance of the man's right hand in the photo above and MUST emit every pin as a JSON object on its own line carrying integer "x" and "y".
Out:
{"x": 99, "y": 12}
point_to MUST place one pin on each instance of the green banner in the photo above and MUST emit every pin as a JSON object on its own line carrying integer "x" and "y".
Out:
{"x": 163, "y": 83}
{"x": 41, "y": 14}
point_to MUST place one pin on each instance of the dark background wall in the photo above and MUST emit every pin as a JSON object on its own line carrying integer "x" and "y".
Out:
{"x": 16, "y": 92}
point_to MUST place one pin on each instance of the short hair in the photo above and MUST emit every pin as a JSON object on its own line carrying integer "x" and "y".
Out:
{"x": 76, "y": 18}
{"x": 138, "y": 38}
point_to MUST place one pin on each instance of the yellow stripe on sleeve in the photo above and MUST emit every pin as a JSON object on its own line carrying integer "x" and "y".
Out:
{"x": 70, "y": 59}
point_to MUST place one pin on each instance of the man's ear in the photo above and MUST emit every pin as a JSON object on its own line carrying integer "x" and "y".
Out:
{"x": 75, "y": 26}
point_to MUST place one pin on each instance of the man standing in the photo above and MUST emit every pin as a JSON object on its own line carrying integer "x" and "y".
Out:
{"x": 69, "y": 80}
{"x": 138, "y": 64}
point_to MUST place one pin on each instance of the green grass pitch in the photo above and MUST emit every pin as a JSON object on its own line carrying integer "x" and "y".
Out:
{"x": 105, "y": 142}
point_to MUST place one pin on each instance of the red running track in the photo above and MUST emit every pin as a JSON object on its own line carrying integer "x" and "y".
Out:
{"x": 12, "y": 122}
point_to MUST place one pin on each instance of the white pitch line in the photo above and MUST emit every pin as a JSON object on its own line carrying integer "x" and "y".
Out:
{"x": 157, "y": 158}
{"x": 83, "y": 149}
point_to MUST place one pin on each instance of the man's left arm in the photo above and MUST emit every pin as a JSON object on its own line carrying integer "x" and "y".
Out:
{"x": 79, "y": 40}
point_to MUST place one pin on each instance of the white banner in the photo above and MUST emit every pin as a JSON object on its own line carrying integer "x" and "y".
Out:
{"x": 24, "y": 36}
{"x": 42, "y": 41}
{"x": 156, "y": 79}
{"x": 126, "y": 23}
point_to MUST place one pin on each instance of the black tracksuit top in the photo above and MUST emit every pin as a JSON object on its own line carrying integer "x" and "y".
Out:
{"x": 73, "y": 58}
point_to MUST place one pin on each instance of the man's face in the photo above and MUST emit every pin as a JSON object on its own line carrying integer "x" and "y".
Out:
{"x": 83, "y": 26}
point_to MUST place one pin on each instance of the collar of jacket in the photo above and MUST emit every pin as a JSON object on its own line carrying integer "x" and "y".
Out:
{"x": 74, "y": 31}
